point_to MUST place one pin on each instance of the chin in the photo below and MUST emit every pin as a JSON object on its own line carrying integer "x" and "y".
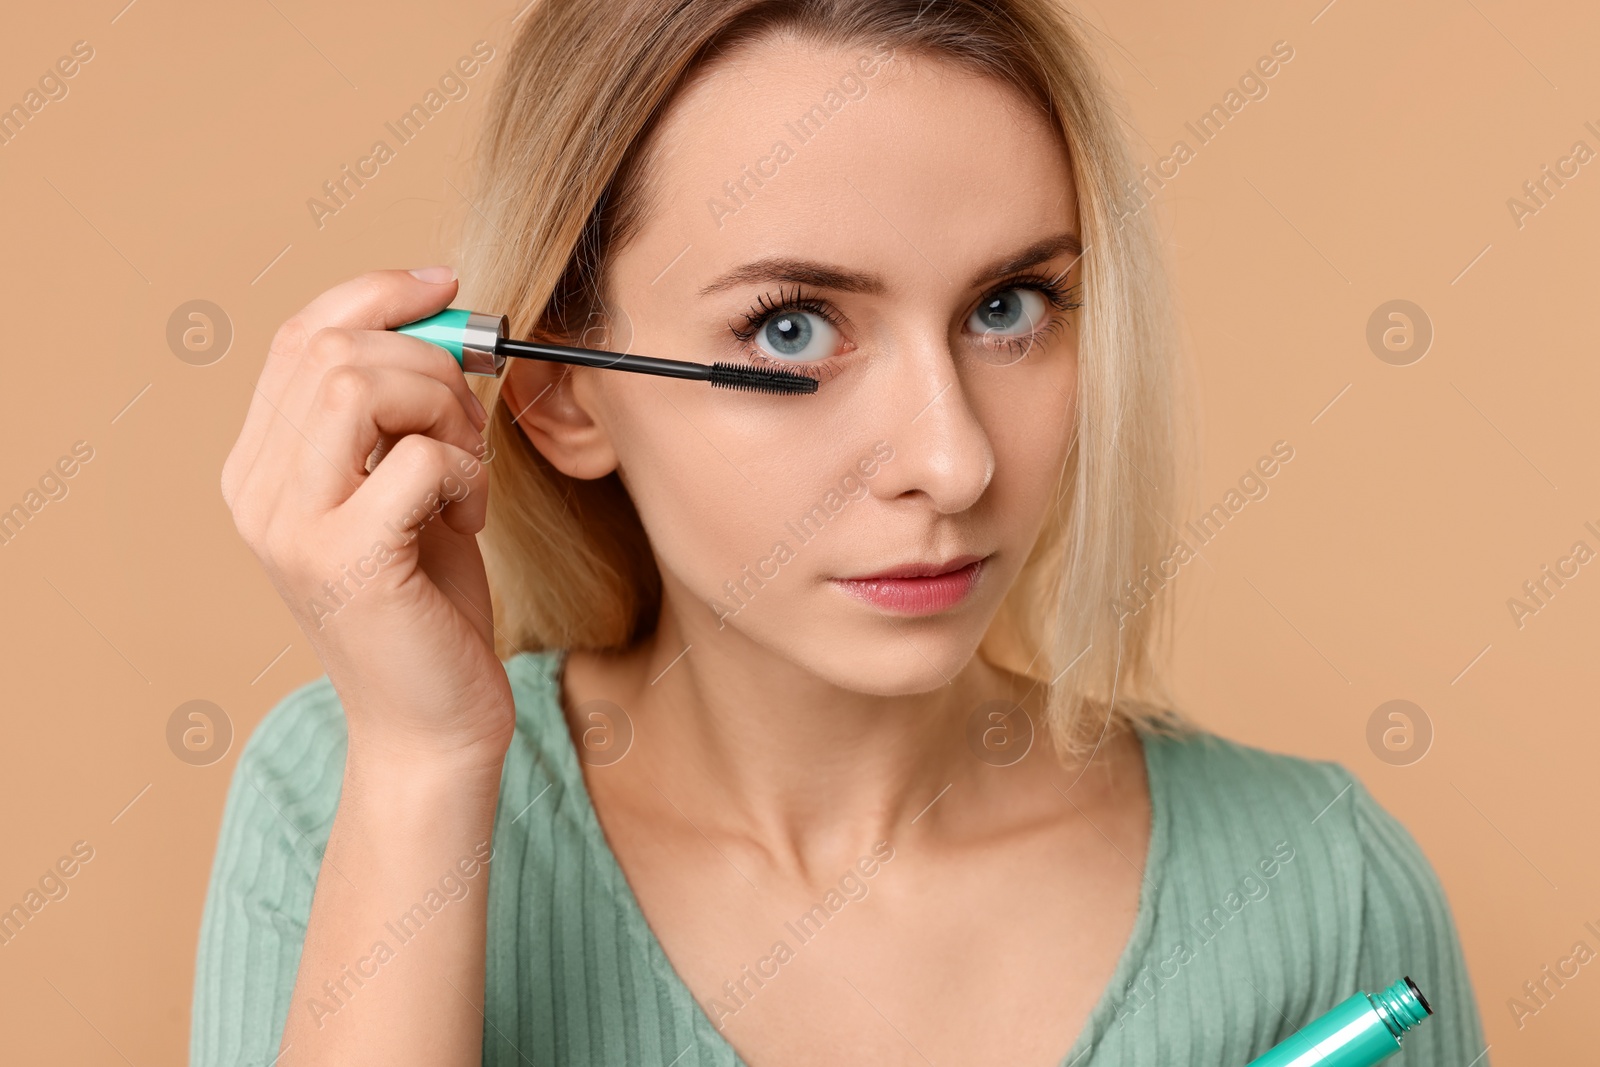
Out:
{"x": 903, "y": 657}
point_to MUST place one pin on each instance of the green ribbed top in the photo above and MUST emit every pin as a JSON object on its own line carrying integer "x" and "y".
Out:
{"x": 1275, "y": 887}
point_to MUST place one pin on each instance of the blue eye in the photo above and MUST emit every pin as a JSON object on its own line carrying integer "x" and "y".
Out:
{"x": 1006, "y": 311}
{"x": 797, "y": 335}
{"x": 792, "y": 328}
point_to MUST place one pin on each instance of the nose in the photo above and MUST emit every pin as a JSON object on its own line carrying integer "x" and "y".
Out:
{"x": 942, "y": 453}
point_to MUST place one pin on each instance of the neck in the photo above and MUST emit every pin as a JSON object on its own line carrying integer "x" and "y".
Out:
{"x": 751, "y": 745}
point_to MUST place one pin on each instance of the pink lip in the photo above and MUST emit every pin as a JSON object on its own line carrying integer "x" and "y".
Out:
{"x": 917, "y": 588}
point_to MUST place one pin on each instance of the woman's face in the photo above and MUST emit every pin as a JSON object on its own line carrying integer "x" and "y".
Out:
{"x": 906, "y": 233}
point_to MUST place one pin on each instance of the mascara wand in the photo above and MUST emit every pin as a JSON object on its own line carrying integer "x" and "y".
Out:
{"x": 479, "y": 343}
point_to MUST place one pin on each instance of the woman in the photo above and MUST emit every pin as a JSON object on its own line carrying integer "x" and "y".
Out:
{"x": 800, "y": 729}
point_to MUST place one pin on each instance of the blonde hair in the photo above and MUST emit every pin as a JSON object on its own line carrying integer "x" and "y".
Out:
{"x": 561, "y": 185}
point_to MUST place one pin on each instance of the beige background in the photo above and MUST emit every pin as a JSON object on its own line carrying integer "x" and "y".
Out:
{"x": 1419, "y": 499}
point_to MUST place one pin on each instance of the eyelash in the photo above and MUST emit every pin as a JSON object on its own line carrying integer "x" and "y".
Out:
{"x": 764, "y": 309}
{"x": 1060, "y": 298}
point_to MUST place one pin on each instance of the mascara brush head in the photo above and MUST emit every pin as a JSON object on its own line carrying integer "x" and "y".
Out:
{"x": 760, "y": 379}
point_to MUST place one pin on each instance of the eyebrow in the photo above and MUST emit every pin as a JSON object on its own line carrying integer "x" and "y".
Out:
{"x": 827, "y": 276}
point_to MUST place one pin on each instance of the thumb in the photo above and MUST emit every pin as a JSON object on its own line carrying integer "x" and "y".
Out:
{"x": 382, "y": 299}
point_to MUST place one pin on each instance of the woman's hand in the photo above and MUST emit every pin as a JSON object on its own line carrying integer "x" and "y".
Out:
{"x": 381, "y": 568}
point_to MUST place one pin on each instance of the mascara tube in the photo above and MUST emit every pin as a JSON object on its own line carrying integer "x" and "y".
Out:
{"x": 1358, "y": 1032}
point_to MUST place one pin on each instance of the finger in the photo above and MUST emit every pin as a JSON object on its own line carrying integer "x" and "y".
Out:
{"x": 335, "y": 346}
{"x": 357, "y": 406}
{"x": 422, "y": 477}
{"x": 378, "y": 300}
{"x": 332, "y": 347}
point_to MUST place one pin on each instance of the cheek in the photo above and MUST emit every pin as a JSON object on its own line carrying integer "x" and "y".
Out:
{"x": 723, "y": 487}
{"x": 1031, "y": 423}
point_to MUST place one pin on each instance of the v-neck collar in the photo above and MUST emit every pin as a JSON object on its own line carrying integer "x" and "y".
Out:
{"x": 1128, "y": 962}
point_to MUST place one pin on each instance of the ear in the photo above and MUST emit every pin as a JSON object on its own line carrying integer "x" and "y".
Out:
{"x": 553, "y": 407}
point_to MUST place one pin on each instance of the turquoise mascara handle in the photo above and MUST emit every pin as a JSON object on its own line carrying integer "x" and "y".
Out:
{"x": 473, "y": 337}
{"x": 1358, "y": 1032}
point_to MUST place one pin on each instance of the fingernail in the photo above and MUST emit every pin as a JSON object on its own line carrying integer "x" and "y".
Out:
{"x": 436, "y": 275}
{"x": 478, "y": 412}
